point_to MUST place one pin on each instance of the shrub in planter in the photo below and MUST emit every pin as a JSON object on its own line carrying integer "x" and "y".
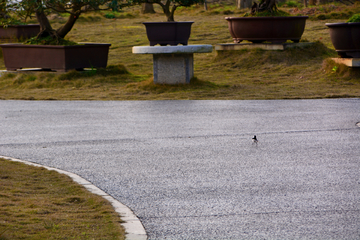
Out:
{"x": 74, "y": 8}
{"x": 266, "y": 23}
{"x": 354, "y": 18}
{"x": 169, "y": 6}
{"x": 49, "y": 36}
{"x": 169, "y": 32}
{"x": 346, "y": 37}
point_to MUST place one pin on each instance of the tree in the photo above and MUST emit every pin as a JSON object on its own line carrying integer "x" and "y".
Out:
{"x": 41, "y": 8}
{"x": 3, "y": 8}
{"x": 74, "y": 7}
{"x": 169, "y": 6}
{"x": 264, "y": 6}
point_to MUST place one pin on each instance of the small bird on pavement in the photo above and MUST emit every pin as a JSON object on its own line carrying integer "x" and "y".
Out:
{"x": 255, "y": 139}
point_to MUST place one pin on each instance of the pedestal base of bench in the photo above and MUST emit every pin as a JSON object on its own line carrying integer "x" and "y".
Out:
{"x": 173, "y": 64}
{"x": 173, "y": 68}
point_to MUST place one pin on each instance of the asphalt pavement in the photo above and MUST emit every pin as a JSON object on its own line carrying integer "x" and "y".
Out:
{"x": 190, "y": 170}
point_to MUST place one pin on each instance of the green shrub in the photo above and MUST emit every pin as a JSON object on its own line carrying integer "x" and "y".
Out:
{"x": 292, "y": 4}
{"x": 109, "y": 15}
{"x": 49, "y": 41}
{"x": 354, "y": 18}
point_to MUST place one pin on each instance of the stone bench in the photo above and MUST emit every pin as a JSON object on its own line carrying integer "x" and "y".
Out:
{"x": 173, "y": 64}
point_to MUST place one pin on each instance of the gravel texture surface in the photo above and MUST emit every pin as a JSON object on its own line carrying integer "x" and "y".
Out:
{"x": 189, "y": 169}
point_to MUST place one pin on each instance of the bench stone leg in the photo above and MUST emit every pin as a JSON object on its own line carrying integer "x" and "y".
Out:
{"x": 173, "y": 68}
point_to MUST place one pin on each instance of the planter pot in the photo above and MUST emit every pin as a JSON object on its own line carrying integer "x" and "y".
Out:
{"x": 19, "y": 31}
{"x": 57, "y": 58}
{"x": 271, "y": 29}
{"x": 346, "y": 38}
{"x": 168, "y": 33}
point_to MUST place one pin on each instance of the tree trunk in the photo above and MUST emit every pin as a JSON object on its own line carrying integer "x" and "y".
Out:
{"x": 170, "y": 17}
{"x": 66, "y": 28}
{"x": 45, "y": 26}
{"x": 168, "y": 13}
{"x": 241, "y": 4}
{"x": 311, "y": 2}
{"x": 147, "y": 8}
{"x": 267, "y": 5}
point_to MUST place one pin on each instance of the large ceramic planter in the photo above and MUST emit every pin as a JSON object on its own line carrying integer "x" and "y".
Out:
{"x": 19, "y": 31}
{"x": 270, "y": 29}
{"x": 168, "y": 33}
{"x": 346, "y": 38}
{"x": 56, "y": 58}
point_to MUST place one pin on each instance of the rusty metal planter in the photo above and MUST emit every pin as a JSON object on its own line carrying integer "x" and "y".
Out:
{"x": 270, "y": 29}
{"x": 56, "y": 58}
{"x": 346, "y": 38}
{"x": 168, "y": 33}
{"x": 19, "y": 31}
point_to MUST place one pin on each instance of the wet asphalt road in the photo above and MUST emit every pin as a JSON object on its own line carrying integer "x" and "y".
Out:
{"x": 189, "y": 170}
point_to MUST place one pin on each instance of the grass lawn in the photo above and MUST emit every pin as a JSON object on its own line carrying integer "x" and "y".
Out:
{"x": 249, "y": 74}
{"x": 36, "y": 203}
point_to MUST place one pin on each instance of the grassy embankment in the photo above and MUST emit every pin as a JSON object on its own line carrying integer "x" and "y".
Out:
{"x": 248, "y": 74}
{"x": 39, "y": 204}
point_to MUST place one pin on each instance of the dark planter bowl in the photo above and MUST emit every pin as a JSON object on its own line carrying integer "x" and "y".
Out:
{"x": 19, "y": 31}
{"x": 168, "y": 33}
{"x": 56, "y": 58}
{"x": 346, "y": 38}
{"x": 270, "y": 29}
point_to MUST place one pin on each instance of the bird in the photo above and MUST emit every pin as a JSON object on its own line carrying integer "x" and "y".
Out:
{"x": 255, "y": 139}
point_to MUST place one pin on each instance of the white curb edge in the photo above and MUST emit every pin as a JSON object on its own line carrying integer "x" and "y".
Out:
{"x": 133, "y": 226}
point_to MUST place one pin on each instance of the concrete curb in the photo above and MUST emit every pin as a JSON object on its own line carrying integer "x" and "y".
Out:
{"x": 133, "y": 226}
